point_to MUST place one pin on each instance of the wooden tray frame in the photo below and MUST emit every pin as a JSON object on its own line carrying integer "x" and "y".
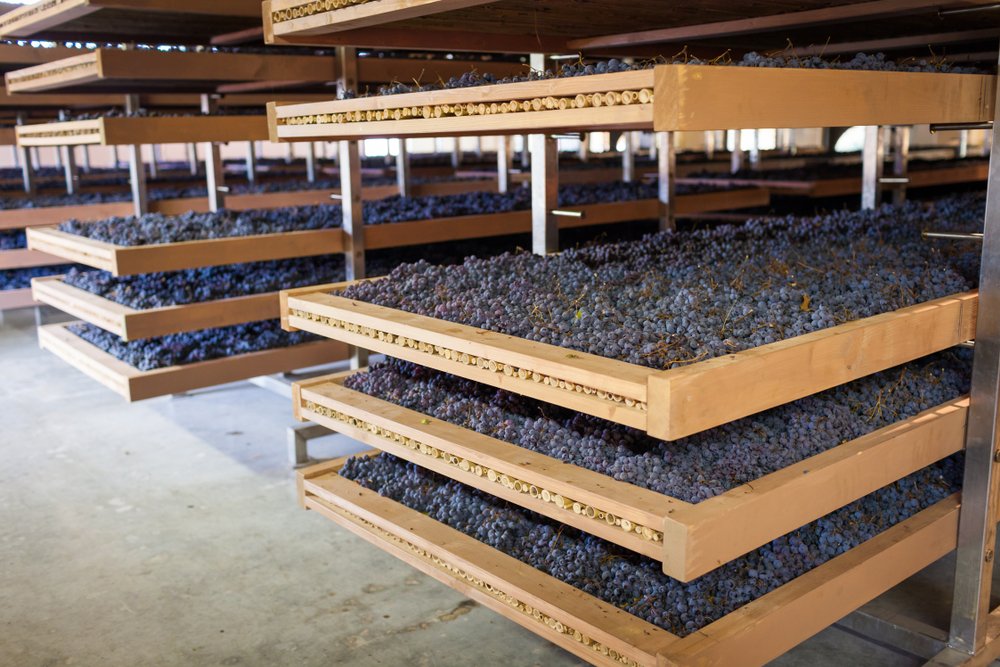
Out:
{"x": 136, "y": 385}
{"x": 113, "y": 131}
{"x": 666, "y": 404}
{"x": 606, "y": 636}
{"x": 132, "y": 324}
{"x": 689, "y": 539}
{"x": 685, "y": 98}
{"x": 131, "y": 260}
{"x": 23, "y": 258}
{"x": 13, "y": 299}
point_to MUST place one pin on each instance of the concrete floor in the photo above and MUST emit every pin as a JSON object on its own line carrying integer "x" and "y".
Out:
{"x": 167, "y": 533}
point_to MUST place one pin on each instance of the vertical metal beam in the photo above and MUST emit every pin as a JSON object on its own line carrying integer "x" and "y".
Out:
{"x": 900, "y": 161}
{"x": 27, "y": 171}
{"x": 192, "y": 156}
{"x": 456, "y": 152}
{"x": 215, "y": 177}
{"x": 85, "y": 151}
{"x": 403, "y": 170}
{"x": 628, "y": 158}
{"x": 477, "y": 148}
{"x": 584, "y": 152}
{"x": 310, "y": 162}
{"x": 736, "y": 157}
{"x": 755, "y": 150}
{"x": 353, "y": 224}
{"x": 666, "y": 184}
{"x": 709, "y": 145}
{"x": 963, "y": 144}
{"x": 16, "y": 156}
{"x": 154, "y": 161}
{"x": 136, "y": 169}
{"x": 503, "y": 165}
{"x": 544, "y": 193}
{"x": 251, "y": 161}
{"x": 525, "y": 152}
{"x": 978, "y": 518}
{"x": 873, "y": 164}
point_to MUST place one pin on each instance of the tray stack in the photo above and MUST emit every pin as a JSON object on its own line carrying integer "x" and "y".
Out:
{"x": 688, "y": 540}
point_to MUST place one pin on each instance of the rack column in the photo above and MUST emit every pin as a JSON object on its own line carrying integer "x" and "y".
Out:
{"x": 736, "y": 157}
{"x": 628, "y": 158}
{"x": 136, "y": 170}
{"x": 215, "y": 178}
{"x": 503, "y": 164}
{"x": 873, "y": 163}
{"x": 251, "y": 162}
{"x": 27, "y": 172}
{"x": 403, "y": 170}
{"x": 666, "y": 159}
{"x": 544, "y": 193}
{"x": 68, "y": 161}
{"x": 900, "y": 162}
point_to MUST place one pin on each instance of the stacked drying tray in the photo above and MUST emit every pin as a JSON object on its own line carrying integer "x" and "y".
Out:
{"x": 689, "y": 539}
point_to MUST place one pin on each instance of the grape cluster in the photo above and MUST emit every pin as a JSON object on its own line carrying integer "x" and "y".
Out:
{"x": 158, "y": 228}
{"x": 671, "y": 299}
{"x": 691, "y": 469}
{"x": 817, "y": 172}
{"x": 189, "y": 348}
{"x": 13, "y": 239}
{"x": 21, "y": 278}
{"x": 635, "y": 583}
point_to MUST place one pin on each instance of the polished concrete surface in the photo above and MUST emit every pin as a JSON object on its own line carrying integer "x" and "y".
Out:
{"x": 167, "y": 533}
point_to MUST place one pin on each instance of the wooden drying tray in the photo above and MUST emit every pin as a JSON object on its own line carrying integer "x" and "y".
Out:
{"x": 15, "y": 55}
{"x": 116, "y": 131}
{"x": 688, "y": 539}
{"x": 667, "y": 98}
{"x": 136, "y": 385}
{"x": 170, "y": 21}
{"x": 837, "y": 187}
{"x": 607, "y": 636}
{"x": 132, "y": 324}
{"x": 132, "y": 260}
{"x": 667, "y": 404}
{"x": 13, "y": 299}
{"x": 22, "y": 258}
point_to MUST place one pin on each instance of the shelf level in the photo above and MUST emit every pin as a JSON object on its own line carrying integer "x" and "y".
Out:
{"x": 113, "y": 131}
{"x": 135, "y": 385}
{"x": 688, "y": 539}
{"x": 13, "y": 299}
{"x": 605, "y": 635}
{"x": 23, "y": 258}
{"x": 132, "y": 324}
{"x": 666, "y": 98}
{"x": 131, "y": 260}
{"x": 668, "y": 404}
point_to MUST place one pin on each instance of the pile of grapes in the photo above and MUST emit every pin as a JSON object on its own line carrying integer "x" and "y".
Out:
{"x": 635, "y": 583}
{"x": 21, "y": 278}
{"x": 691, "y": 469}
{"x": 671, "y": 299}
{"x": 188, "y": 348}
{"x": 820, "y": 172}
{"x": 13, "y": 239}
{"x": 157, "y": 228}
{"x": 861, "y": 61}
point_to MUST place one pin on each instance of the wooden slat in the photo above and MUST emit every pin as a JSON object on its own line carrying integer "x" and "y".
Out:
{"x": 13, "y": 299}
{"x": 144, "y": 130}
{"x": 131, "y": 324}
{"x": 748, "y": 636}
{"x": 22, "y": 258}
{"x": 136, "y": 385}
{"x": 686, "y": 399}
{"x": 130, "y": 260}
{"x": 358, "y": 16}
{"x": 691, "y": 97}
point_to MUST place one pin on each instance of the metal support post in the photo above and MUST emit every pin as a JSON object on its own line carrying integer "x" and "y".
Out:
{"x": 478, "y": 148}
{"x": 503, "y": 165}
{"x": 154, "y": 167}
{"x": 873, "y": 163}
{"x": 456, "y": 152}
{"x": 666, "y": 183}
{"x": 736, "y": 157}
{"x": 628, "y": 158}
{"x": 900, "y": 162}
{"x": 544, "y": 194}
{"x": 192, "y": 156}
{"x": 136, "y": 170}
{"x": 353, "y": 224}
{"x": 709, "y": 145}
{"x": 27, "y": 172}
{"x": 403, "y": 170}
{"x": 215, "y": 178}
{"x": 978, "y": 518}
{"x": 310, "y": 162}
{"x": 525, "y": 152}
{"x": 85, "y": 151}
{"x": 584, "y": 152}
{"x": 755, "y": 150}
{"x": 963, "y": 144}
{"x": 251, "y": 163}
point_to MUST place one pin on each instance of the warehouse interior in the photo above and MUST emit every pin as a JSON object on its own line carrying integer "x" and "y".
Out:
{"x": 496, "y": 332}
